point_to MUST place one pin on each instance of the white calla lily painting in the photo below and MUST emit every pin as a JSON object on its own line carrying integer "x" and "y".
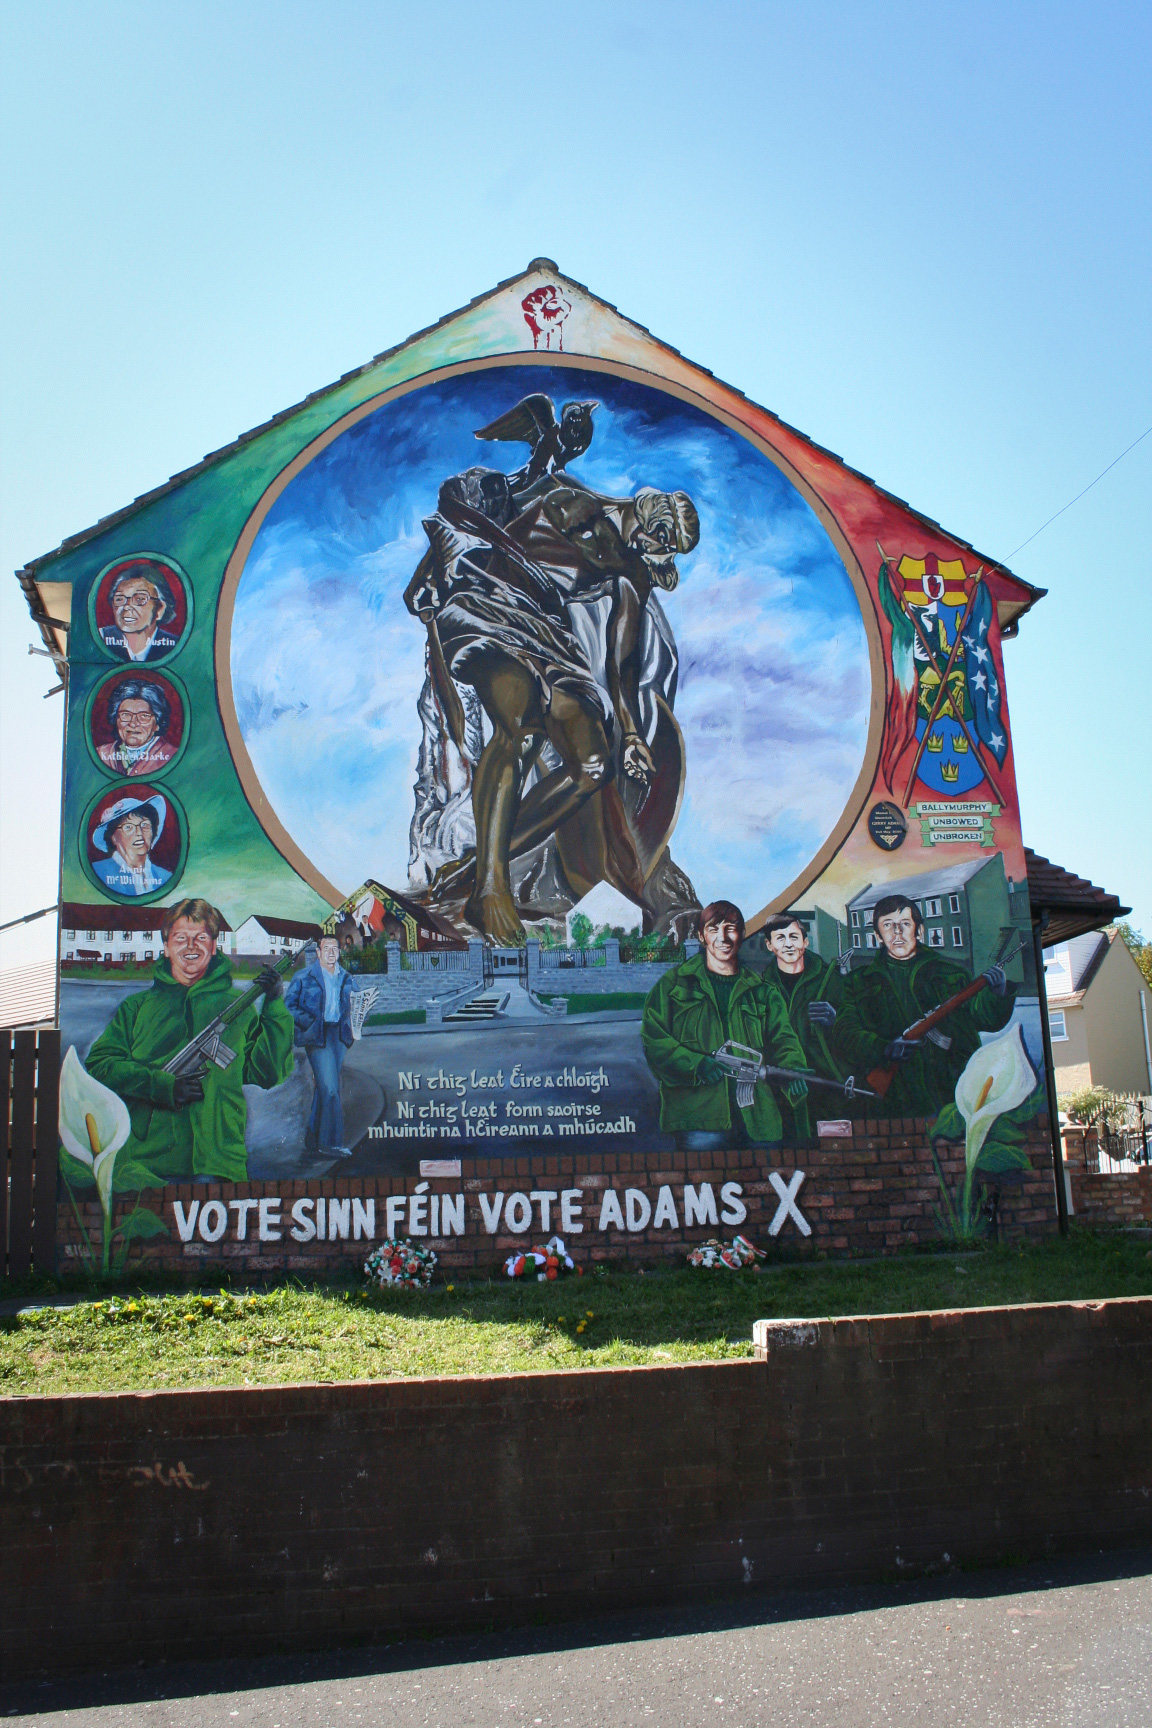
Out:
{"x": 94, "y": 1124}
{"x": 997, "y": 1078}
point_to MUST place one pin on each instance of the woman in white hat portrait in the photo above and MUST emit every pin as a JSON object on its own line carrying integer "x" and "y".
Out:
{"x": 127, "y": 830}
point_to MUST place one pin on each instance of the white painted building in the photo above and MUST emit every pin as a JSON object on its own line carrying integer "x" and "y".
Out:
{"x": 112, "y": 935}
{"x": 261, "y": 935}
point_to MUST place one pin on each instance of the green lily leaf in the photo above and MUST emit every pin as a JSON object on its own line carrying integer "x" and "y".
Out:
{"x": 995, "y": 1158}
{"x": 949, "y": 1125}
{"x": 143, "y": 1222}
{"x": 79, "y": 1175}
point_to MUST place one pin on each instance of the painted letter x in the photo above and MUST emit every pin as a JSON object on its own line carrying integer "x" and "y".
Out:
{"x": 788, "y": 1207}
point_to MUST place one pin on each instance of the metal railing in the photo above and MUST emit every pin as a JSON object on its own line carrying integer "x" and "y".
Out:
{"x": 558, "y": 959}
{"x": 1127, "y": 1145}
{"x": 428, "y": 960}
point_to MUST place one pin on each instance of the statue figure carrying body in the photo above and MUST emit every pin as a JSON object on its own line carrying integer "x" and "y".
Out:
{"x": 536, "y": 592}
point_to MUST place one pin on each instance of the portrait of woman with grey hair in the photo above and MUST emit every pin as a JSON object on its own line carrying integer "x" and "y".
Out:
{"x": 138, "y": 714}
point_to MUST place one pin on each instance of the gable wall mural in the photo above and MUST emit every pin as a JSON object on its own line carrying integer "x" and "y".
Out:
{"x": 601, "y": 777}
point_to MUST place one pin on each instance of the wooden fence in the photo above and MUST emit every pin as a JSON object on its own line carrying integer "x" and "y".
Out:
{"x": 29, "y": 1084}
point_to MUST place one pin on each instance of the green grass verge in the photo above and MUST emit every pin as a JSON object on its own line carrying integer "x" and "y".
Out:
{"x": 409, "y": 1017}
{"x": 147, "y": 1341}
{"x": 607, "y": 999}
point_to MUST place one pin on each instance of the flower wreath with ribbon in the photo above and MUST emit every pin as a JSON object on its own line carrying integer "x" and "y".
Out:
{"x": 551, "y": 1261}
{"x": 400, "y": 1265}
{"x": 713, "y": 1253}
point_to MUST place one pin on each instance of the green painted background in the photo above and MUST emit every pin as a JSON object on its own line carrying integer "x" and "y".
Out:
{"x": 230, "y": 860}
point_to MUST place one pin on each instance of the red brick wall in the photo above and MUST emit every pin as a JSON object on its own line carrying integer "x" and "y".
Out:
{"x": 870, "y": 1193}
{"x": 1123, "y": 1197}
{"x": 178, "y": 1524}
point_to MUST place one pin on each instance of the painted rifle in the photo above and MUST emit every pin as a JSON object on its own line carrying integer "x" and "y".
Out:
{"x": 746, "y": 1066}
{"x": 209, "y": 1045}
{"x": 881, "y": 1078}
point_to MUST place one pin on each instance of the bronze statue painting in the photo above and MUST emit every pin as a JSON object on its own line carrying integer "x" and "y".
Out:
{"x": 539, "y": 596}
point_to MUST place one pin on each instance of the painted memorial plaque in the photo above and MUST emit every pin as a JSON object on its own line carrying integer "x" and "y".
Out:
{"x": 532, "y": 780}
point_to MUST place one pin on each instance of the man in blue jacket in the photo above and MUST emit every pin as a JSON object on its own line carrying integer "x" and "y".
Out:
{"x": 319, "y": 1001}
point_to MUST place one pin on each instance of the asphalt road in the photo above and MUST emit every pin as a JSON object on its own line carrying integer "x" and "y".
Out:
{"x": 1058, "y": 1646}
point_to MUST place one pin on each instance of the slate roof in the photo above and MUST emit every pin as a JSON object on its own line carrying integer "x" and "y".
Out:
{"x": 87, "y": 915}
{"x": 946, "y": 880}
{"x": 1073, "y": 904}
{"x": 287, "y": 928}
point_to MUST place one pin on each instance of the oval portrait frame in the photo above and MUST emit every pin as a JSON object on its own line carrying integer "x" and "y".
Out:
{"x": 137, "y": 669}
{"x": 181, "y": 576}
{"x": 253, "y": 790}
{"x": 132, "y": 787}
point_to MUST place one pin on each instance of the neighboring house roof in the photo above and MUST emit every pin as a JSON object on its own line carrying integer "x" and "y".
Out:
{"x": 1010, "y": 610}
{"x": 1086, "y": 954}
{"x": 1073, "y": 904}
{"x": 933, "y": 883}
{"x": 85, "y": 915}
{"x": 289, "y": 928}
{"x": 28, "y": 994}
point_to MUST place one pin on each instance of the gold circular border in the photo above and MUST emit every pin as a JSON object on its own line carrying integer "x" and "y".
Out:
{"x": 226, "y": 604}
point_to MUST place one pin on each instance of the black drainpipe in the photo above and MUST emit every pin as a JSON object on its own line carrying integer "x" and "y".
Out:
{"x": 1038, "y": 929}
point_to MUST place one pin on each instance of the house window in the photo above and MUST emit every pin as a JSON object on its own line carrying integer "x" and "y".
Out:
{"x": 855, "y": 938}
{"x": 932, "y": 910}
{"x": 1057, "y": 1030}
{"x": 70, "y": 955}
{"x": 936, "y": 936}
{"x": 90, "y": 935}
{"x": 108, "y": 934}
{"x": 953, "y": 902}
{"x": 856, "y": 923}
{"x": 870, "y": 940}
{"x": 108, "y": 955}
{"x": 149, "y": 955}
{"x": 70, "y": 935}
{"x": 145, "y": 935}
{"x": 957, "y": 936}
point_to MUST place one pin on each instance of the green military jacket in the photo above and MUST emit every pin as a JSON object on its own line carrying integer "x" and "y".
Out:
{"x": 885, "y": 997}
{"x": 146, "y": 1031}
{"x": 820, "y": 981}
{"x": 682, "y": 1024}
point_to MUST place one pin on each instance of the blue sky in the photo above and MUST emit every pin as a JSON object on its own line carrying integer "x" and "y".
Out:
{"x": 921, "y": 233}
{"x": 327, "y": 663}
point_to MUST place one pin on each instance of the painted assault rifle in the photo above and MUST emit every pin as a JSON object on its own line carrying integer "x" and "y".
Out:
{"x": 882, "y": 1078}
{"x": 746, "y": 1066}
{"x": 209, "y": 1045}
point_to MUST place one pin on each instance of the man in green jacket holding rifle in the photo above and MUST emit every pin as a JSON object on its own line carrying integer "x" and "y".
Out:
{"x": 695, "y": 1009}
{"x": 905, "y": 982}
{"x": 192, "y": 1125}
{"x": 813, "y": 990}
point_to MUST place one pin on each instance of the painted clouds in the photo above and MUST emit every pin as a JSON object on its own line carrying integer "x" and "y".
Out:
{"x": 327, "y": 663}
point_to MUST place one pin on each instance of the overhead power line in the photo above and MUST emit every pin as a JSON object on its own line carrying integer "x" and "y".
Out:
{"x": 1080, "y": 495}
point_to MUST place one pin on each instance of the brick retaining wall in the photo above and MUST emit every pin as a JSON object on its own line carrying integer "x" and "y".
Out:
{"x": 1118, "y": 1197}
{"x": 872, "y": 1192}
{"x": 137, "y": 1527}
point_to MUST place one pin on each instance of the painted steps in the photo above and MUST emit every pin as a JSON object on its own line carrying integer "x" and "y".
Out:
{"x": 483, "y": 1007}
